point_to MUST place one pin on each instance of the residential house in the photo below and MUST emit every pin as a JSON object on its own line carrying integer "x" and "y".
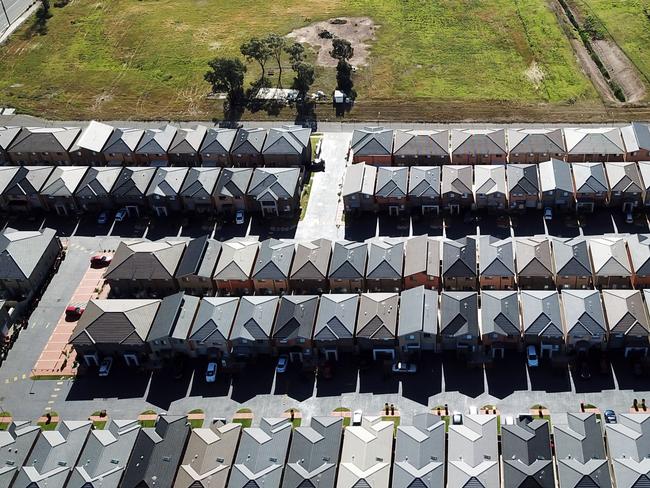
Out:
{"x": 348, "y": 266}
{"x": 571, "y": 262}
{"x": 473, "y": 456}
{"x": 584, "y": 319}
{"x": 209, "y": 455}
{"x": 54, "y": 455}
{"x": 422, "y": 262}
{"x": 195, "y": 271}
{"x": 367, "y": 454}
{"x": 246, "y": 149}
{"x": 610, "y": 262}
{"x": 216, "y": 147}
{"x": 496, "y": 259}
{"x": 591, "y": 186}
{"x": 212, "y": 325}
{"x": 500, "y": 321}
{"x": 459, "y": 268}
{"x": 26, "y": 261}
{"x": 130, "y": 189}
{"x": 273, "y": 267}
{"x": 7, "y": 136}
{"x": 157, "y": 453}
{"x": 57, "y": 194}
{"x": 602, "y": 144}
{"x": 636, "y": 138}
{"x": 289, "y": 145}
{"x": 87, "y": 150}
{"x": 198, "y": 188}
{"x": 418, "y": 321}
{"x": 261, "y": 455}
{"x": 234, "y": 269}
{"x": 186, "y": 145}
{"x": 534, "y": 263}
{"x": 230, "y": 192}
{"x": 16, "y": 442}
{"x": 144, "y": 267}
{"x": 377, "y": 323}
{"x": 385, "y": 264}
{"x": 294, "y": 325}
{"x": 43, "y": 145}
{"x": 358, "y": 190}
{"x": 274, "y": 192}
{"x": 94, "y": 192}
{"x": 627, "y": 320}
{"x": 120, "y": 148}
{"x": 420, "y": 453}
{"x": 459, "y": 320}
{"x": 556, "y": 185}
{"x": 335, "y": 324}
{"x": 314, "y": 455}
{"x": 628, "y": 449}
{"x": 372, "y": 145}
{"x": 638, "y": 248}
{"x": 253, "y": 326}
{"x": 153, "y": 148}
{"x": 114, "y": 328}
{"x": 580, "y": 452}
{"x": 627, "y": 189}
{"x": 421, "y": 147}
{"x": 424, "y": 189}
{"x": 105, "y": 455}
{"x": 527, "y": 456}
{"x": 523, "y": 186}
{"x": 456, "y": 188}
{"x": 163, "y": 192}
{"x": 310, "y": 266}
{"x": 535, "y": 145}
{"x": 478, "y": 146}
{"x": 170, "y": 331}
{"x": 644, "y": 171}
{"x": 542, "y": 321}
{"x": 391, "y": 189}
{"x": 490, "y": 186}
{"x": 21, "y": 187}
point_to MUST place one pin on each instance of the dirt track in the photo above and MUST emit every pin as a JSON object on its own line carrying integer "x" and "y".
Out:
{"x": 621, "y": 70}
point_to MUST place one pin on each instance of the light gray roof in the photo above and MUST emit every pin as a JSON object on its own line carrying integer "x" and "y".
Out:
{"x": 237, "y": 260}
{"x": 312, "y": 260}
{"x": 555, "y": 175}
{"x": 274, "y": 260}
{"x": 625, "y": 312}
{"x": 98, "y": 181}
{"x": 133, "y": 182}
{"x": 418, "y": 312}
{"x": 473, "y": 457}
{"x": 644, "y": 170}
{"x": 63, "y": 181}
{"x": 233, "y": 182}
{"x": 420, "y": 453}
{"x": 527, "y": 456}
{"x": 594, "y": 140}
{"x": 359, "y": 178}
{"x": 377, "y": 316}
{"x": 142, "y": 260}
{"x": 422, "y": 255}
{"x": 15, "y": 445}
{"x": 21, "y": 251}
{"x": 583, "y": 313}
{"x": 25, "y": 180}
{"x": 348, "y": 260}
{"x": 200, "y": 182}
{"x": 541, "y": 315}
{"x": 536, "y": 141}
{"x": 478, "y": 141}
{"x": 337, "y": 317}
{"x": 489, "y": 179}
{"x": 156, "y": 141}
{"x": 249, "y": 141}
{"x": 255, "y": 318}
{"x": 459, "y": 314}
{"x": 523, "y": 179}
{"x": 639, "y": 246}
{"x": 636, "y": 136}
{"x": 218, "y": 141}
{"x": 167, "y": 182}
{"x": 533, "y": 256}
{"x": 456, "y": 179}
{"x": 270, "y": 184}
{"x": 94, "y": 137}
{"x": 424, "y": 182}
{"x": 392, "y": 182}
{"x": 609, "y": 256}
{"x": 421, "y": 143}
{"x": 589, "y": 177}
{"x": 296, "y": 317}
{"x": 571, "y": 256}
{"x": 459, "y": 257}
{"x": 624, "y": 177}
{"x": 500, "y": 313}
{"x": 372, "y": 141}
{"x": 496, "y": 257}
{"x": 385, "y": 258}
{"x": 628, "y": 441}
{"x": 123, "y": 141}
{"x": 187, "y": 140}
{"x": 288, "y": 139}
{"x": 7, "y": 135}
{"x": 45, "y": 139}
{"x": 214, "y": 319}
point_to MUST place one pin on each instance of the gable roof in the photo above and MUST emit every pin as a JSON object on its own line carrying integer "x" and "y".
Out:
{"x": 473, "y": 457}
{"x": 348, "y": 260}
{"x": 255, "y": 318}
{"x": 555, "y": 175}
{"x": 609, "y": 256}
{"x": 625, "y": 312}
{"x": 421, "y": 143}
{"x": 594, "y": 140}
{"x": 636, "y": 136}
{"x": 424, "y": 181}
{"x": 98, "y": 181}
{"x": 237, "y": 260}
{"x": 533, "y": 256}
{"x": 624, "y": 177}
{"x": 167, "y": 181}
{"x": 21, "y": 252}
{"x": 214, "y": 319}
{"x": 296, "y": 317}
{"x": 372, "y": 141}
{"x": 174, "y": 318}
{"x": 145, "y": 260}
{"x": 392, "y": 182}
{"x": 496, "y": 257}
{"x": 541, "y": 315}
{"x": 274, "y": 183}
{"x": 200, "y": 183}
{"x": 478, "y": 141}
{"x": 16, "y": 443}
{"x": 500, "y": 313}
{"x": 249, "y": 141}
{"x": 93, "y": 137}
{"x": 359, "y": 178}
{"x": 489, "y": 179}
{"x": 200, "y": 258}
{"x": 385, "y": 258}
{"x": 571, "y": 256}
{"x": 589, "y": 177}
{"x": 422, "y": 255}
{"x": 639, "y": 253}
{"x": 218, "y": 140}
{"x": 459, "y": 313}
{"x": 418, "y": 311}
{"x": 527, "y": 456}
{"x": 536, "y": 141}
{"x": 456, "y": 179}
{"x": 628, "y": 444}
{"x": 274, "y": 260}
{"x": 233, "y": 182}
{"x": 26, "y": 180}
{"x": 63, "y": 181}
{"x": 288, "y": 139}
{"x": 133, "y": 182}
{"x": 312, "y": 260}
{"x": 377, "y": 317}
{"x": 337, "y": 316}
{"x": 583, "y": 313}
{"x": 522, "y": 178}
{"x": 7, "y": 136}
{"x": 188, "y": 141}
{"x": 459, "y": 257}
{"x": 156, "y": 141}
{"x": 45, "y": 139}
{"x": 123, "y": 141}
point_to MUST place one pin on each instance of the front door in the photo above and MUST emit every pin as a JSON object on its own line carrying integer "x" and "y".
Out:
{"x": 628, "y": 207}
{"x": 295, "y": 356}
{"x": 133, "y": 210}
{"x": 131, "y": 359}
{"x": 269, "y": 208}
{"x": 393, "y": 210}
{"x": 454, "y": 208}
{"x": 91, "y": 359}
{"x": 429, "y": 209}
{"x": 161, "y": 211}
{"x": 331, "y": 354}
{"x": 61, "y": 209}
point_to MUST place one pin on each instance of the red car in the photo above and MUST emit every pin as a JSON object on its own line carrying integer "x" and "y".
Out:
{"x": 74, "y": 311}
{"x": 100, "y": 261}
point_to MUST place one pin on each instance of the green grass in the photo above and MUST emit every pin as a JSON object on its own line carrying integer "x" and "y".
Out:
{"x": 148, "y": 423}
{"x": 196, "y": 423}
{"x": 146, "y": 59}
{"x": 243, "y": 422}
{"x": 100, "y": 424}
{"x": 395, "y": 420}
{"x": 51, "y": 425}
{"x": 315, "y": 139}
{"x": 304, "y": 196}
{"x": 4, "y": 425}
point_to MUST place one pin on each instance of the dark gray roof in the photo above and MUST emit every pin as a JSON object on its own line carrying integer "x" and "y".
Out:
{"x": 26, "y": 180}
{"x": 555, "y": 175}
{"x": 589, "y": 177}
{"x": 188, "y": 141}
{"x": 500, "y": 313}
{"x": 123, "y": 141}
{"x": 200, "y": 183}
{"x": 214, "y": 319}
{"x": 98, "y": 181}
{"x": 233, "y": 182}
{"x": 372, "y": 141}
{"x": 478, "y": 141}
{"x": 296, "y": 316}
{"x": 459, "y": 257}
{"x": 274, "y": 260}
{"x": 496, "y": 257}
{"x": 337, "y": 317}
{"x": 377, "y": 317}
{"x": 392, "y": 182}
{"x": 583, "y": 313}
{"x": 133, "y": 182}
{"x": 594, "y": 140}
{"x": 418, "y": 312}
{"x": 63, "y": 181}
{"x": 522, "y": 178}
{"x": 255, "y": 318}
{"x": 274, "y": 183}
{"x": 312, "y": 260}
{"x": 218, "y": 141}
{"x": 459, "y": 314}
{"x": 421, "y": 143}
{"x": 536, "y": 141}
{"x": 290, "y": 139}
{"x": 156, "y": 141}
{"x": 424, "y": 181}
{"x": 348, "y": 260}
{"x": 21, "y": 252}
{"x": 200, "y": 258}
{"x": 571, "y": 256}
{"x": 385, "y": 258}
{"x": 45, "y": 139}
{"x": 174, "y": 317}
{"x": 15, "y": 445}
{"x": 145, "y": 260}
{"x": 167, "y": 182}
{"x": 527, "y": 456}
{"x": 628, "y": 443}
{"x": 249, "y": 141}
{"x": 541, "y": 315}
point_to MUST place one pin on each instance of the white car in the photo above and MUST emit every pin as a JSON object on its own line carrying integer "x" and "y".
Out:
{"x": 531, "y": 357}
{"x": 548, "y": 213}
{"x": 121, "y": 215}
{"x": 282, "y": 364}
{"x": 356, "y": 417}
{"x": 211, "y": 373}
{"x": 105, "y": 366}
{"x": 404, "y": 368}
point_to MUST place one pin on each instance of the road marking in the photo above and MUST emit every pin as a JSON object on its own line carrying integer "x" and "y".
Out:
{"x": 57, "y": 389}
{"x": 7, "y": 381}
{"x": 50, "y": 402}
{"x": 48, "y": 408}
{"x": 15, "y": 378}
{"x": 53, "y": 395}
{"x": 59, "y": 382}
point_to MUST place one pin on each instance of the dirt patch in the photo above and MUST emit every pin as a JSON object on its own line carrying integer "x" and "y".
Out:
{"x": 592, "y": 71}
{"x": 358, "y": 30}
{"x": 535, "y": 74}
{"x": 621, "y": 70}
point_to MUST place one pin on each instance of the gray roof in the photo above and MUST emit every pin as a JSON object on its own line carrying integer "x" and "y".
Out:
{"x": 536, "y": 141}
{"x": 63, "y": 181}
{"x": 555, "y": 175}
{"x": 214, "y": 319}
{"x": 94, "y": 137}
{"x": 156, "y": 141}
{"x": 237, "y": 260}
{"x": 274, "y": 260}
{"x": 188, "y": 140}
{"x": 314, "y": 453}
{"x": 21, "y": 251}
{"x": 589, "y": 177}
{"x": 249, "y": 141}
{"x": 145, "y": 260}
{"x": 233, "y": 182}
{"x": 270, "y": 184}
{"x": 312, "y": 260}
{"x": 473, "y": 457}
{"x": 527, "y": 457}
{"x": 289, "y": 139}
{"x": 541, "y": 315}
{"x": 15, "y": 445}
{"x": 348, "y": 260}
{"x": 200, "y": 258}
{"x": 459, "y": 257}
{"x": 489, "y": 179}
{"x": 420, "y": 453}
{"x": 500, "y": 313}
{"x": 522, "y": 179}
{"x": 359, "y": 178}
{"x": 459, "y": 314}
{"x": 98, "y": 181}
{"x": 296, "y": 317}
{"x": 644, "y": 170}
{"x": 422, "y": 255}
{"x": 609, "y": 256}
{"x": 377, "y": 317}
{"x": 496, "y": 257}
{"x": 174, "y": 318}
{"x": 255, "y": 318}
{"x": 123, "y": 141}
{"x": 636, "y": 136}
{"x": 7, "y": 136}
{"x": 456, "y": 179}
{"x": 580, "y": 452}
{"x": 478, "y": 141}
{"x": 594, "y": 140}
{"x": 218, "y": 141}
{"x": 418, "y": 312}
{"x": 639, "y": 247}
{"x": 421, "y": 143}
{"x": 261, "y": 455}
{"x": 45, "y": 139}
{"x": 424, "y": 182}
{"x": 24, "y": 180}
{"x": 571, "y": 256}
{"x": 534, "y": 256}
{"x": 133, "y": 182}
{"x": 624, "y": 177}
{"x": 337, "y": 317}
{"x": 583, "y": 313}
{"x": 625, "y": 312}
{"x": 167, "y": 182}
{"x": 372, "y": 141}
{"x": 392, "y": 182}
{"x": 200, "y": 183}
{"x": 628, "y": 443}
{"x": 385, "y": 258}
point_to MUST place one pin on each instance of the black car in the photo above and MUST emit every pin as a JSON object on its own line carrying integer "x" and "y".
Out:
{"x": 610, "y": 416}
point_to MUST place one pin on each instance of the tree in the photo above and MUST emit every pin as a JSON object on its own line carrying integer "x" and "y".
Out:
{"x": 341, "y": 49}
{"x": 256, "y": 49}
{"x": 304, "y": 78}
{"x": 276, "y": 44}
{"x": 296, "y": 53}
{"x": 227, "y": 75}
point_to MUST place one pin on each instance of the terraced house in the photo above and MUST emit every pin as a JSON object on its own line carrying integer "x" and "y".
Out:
{"x": 385, "y": 264}
{"x": 184, "y": 148}
{"x": 253, "y": 326}
{"x": 120, "y": 148}
{"x": 348, "y": 266}
{"x": 372, "y": 145}
{"x": 310, "y": 266}
{"x": 594, "y": 144}
{"x": 246, "y": 149}
{"x": 572, "y": 263}
{"x": 636, "y": 138}
{"x": 198, "y": 187}
{"x": 527, "y": 456}
{"x": 422, "y": 262}
{"x": 591, "y": 186}
{"x": 421, "y": 147}
{"x": 358, "y": 190}
{"x": 523, "y": 186}
{"x": 93, "y": 194}
{"x": 496, "y": 261}
{"x": 459, "y": 320}
{"x": 273, "y": 267}
{"x": 274, "y": 191}
{"x": 234, "y": 270}
{"x": 627, "y": 190}
{"x": 335, "y": 324}
{"x": 456, "y": 188}
{"x": 478, "y": 146}
{"x": 535, "y": 145}
{"x": 490, "y": 187}
{"x": 152, "y": 148}
{"x": 164, "y": 189}
{"x": 459, "y": 268}
{"x": 289, "y": 145}
{"x": 534, "y": 263}
{"x": 500, "y": 321}
{"x": 130, "y": 189}
{"x": 424, "y": 189}
{"x": 391, "y": 190}
{"x": 21, "y": 187}
{"x": 216, "y": 146}
{"x": 43, "y": 145}
{"x": 542, "y": 322}
{"x": 87, "y": 149}
{"x": 376, "y": 329}
{"x": 230, "y": 190}
{"x": 584, "y": 319}
{"x": 473, "y": 457}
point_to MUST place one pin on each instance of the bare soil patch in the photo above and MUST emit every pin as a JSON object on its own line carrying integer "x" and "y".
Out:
{"x": 621, "y": 69}
{"x": 358, "y": 30}
{"x": 592, "y": 71}
{"x": 535, "y": 74}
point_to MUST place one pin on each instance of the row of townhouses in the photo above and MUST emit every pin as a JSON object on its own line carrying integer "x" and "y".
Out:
{"x": 99, "y": 144}
{"x": 426, "y": 454}
{"x": 380, "y": 146}
{"x": 68, "y": 190}
{"x": 556, "y": 184}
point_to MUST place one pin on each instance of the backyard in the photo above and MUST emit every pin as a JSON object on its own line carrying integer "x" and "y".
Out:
{"x": 146, "y": 59}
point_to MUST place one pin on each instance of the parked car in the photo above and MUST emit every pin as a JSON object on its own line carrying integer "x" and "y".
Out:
{"x": 73, "y": 312}
{"x": 610, "y": 416}
{"x": 100, "y": 260}
{"x": 404, "y": 368}
{"x": 121, "y": 215}
{"x": 356, "y": 417}
{"x": 282, "y": 364}
{"x": 548, "y": 213}
{"x": 102, "y": 218}
{"x": 629, "y": 218}
{"x": 531, "y": 357}
{"x": 211, "y": 373}
{"x": 105, "y": 366}
{"x": 240, "y": 217}
{"x": 457, "y": 419}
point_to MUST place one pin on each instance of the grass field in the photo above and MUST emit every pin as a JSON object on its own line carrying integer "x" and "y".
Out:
{"x": 146, "y": 59}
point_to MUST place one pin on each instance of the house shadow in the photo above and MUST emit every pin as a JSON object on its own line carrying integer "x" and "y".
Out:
{"x": 426, "y": 224}
{"x": 360, "y": 227}
{"x": 278, "y": 228}
{"x": 343, "y": 379}
{"x": 426, "y": 382}
{"x": 394, "y": 226}
{"x": 295, "y": 383}
{"x": 121, "y": 383}
{"x": 630, "y": 373}
{"x": 459, "y": 377}
{"x": 549, "y": 379}
{"x": 165, "y": 388}
{"x": 507, "y": 375}
{"x": 201, "y": 388}
{"x": 255, "y": 379}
